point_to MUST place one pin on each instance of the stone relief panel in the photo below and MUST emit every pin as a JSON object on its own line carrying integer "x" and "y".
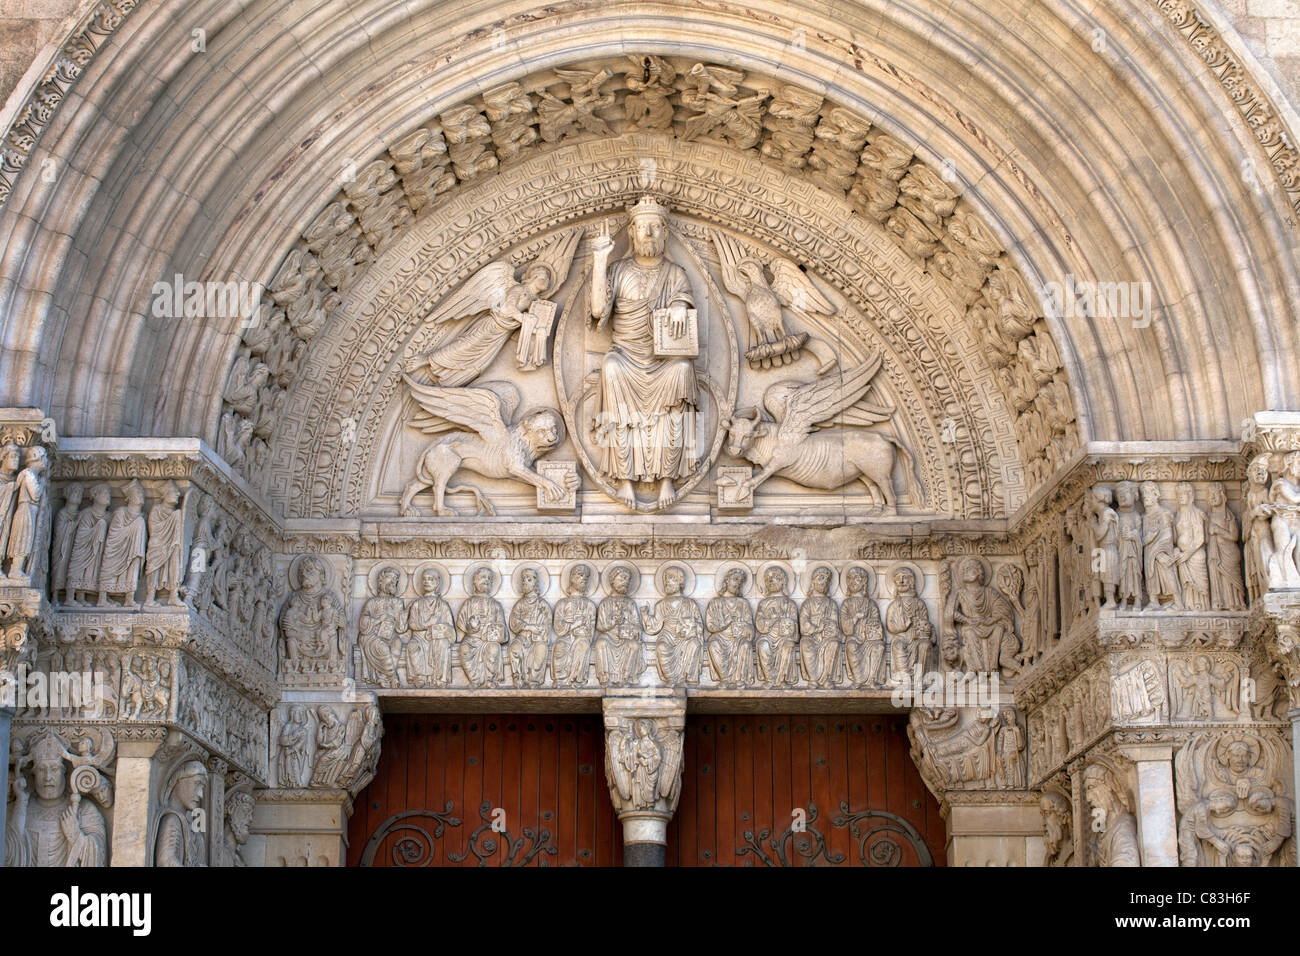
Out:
{"x": 524, "y": 624}
{"x": 793, "y": 130}
{"x": 62, "y": 791}
{"x": 1234, "y": 800}
{"x": 646, "y": 436}
{"x": 880, "y": 310}
{"x": 325, "y": 745}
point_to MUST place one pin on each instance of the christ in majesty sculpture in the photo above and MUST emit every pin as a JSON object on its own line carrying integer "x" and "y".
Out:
{"x": 646, "y": 424}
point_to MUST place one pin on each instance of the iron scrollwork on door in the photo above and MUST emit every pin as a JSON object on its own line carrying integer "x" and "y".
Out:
{"x": 415, "y": 848}
{"x": 415, "y": 845}
{"x": 492, "y": 837}
{"x": 878, "y": 844}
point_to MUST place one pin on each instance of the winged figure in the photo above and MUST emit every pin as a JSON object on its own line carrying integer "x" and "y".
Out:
{"x": 815, "y": 437}
{"x": 558, "y": 118}
{"x": 477, "y": 430}
{"x": 745, "y": 274}
{"x": 493, "y": 305}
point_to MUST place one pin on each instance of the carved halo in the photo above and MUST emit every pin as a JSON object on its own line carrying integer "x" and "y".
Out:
{"x": 296, "y": 566}
{"x": 372, "y": 579}
{"x": 917, "y": 573}
{"x": 760, "y": 578}
{"x": 688, "y": 588}
{"x": 960, "y": 560}
{"x": 543, "y": 579}
{"x": 1221, "y": 750}
{"x": 805, "y": 579}
{"x": 633, "y": 586}
{"x": 418, "y": 575}
{"x": 593, "y": 576}
{"x": 467, "y": 578}
{"x": 720, "y": 574}
{"x": 871, "y": 579}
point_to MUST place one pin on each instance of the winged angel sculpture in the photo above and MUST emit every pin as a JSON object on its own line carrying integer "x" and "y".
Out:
{"x": 814, "y": 437}
{"x": 492, "y": 306}
{"x": 643, "y": 764}
{"x": 744, "y": 273}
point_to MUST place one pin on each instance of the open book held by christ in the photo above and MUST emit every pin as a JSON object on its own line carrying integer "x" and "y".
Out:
{"x": 668, "y": 345}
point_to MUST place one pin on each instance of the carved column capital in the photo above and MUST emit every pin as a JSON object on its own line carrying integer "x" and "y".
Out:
{"x": 644, "y": 735}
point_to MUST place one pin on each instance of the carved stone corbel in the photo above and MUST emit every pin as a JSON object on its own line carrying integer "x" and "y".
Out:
{"x": 643, "y": 766}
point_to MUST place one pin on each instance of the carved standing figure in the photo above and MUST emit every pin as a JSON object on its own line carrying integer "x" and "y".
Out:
{"x": 575, "y": 630}
{"x": 1115, "y": 826}
{"x": 1130, "y": 546}
{"x": 1284, "y": 497}
{"x": 124, "y": 547}
{"x": 293, "y": 748}
{"x": 1103, "y": 524}
{"x": 29, "y": 500}
{"x": 88, "y": 546}
{"x": 1159, "y": 553}
{"x": 530, "y": 628}
{"x": 618, "y": 654}
{"x": 11, "y": 459}
{"x": 1256, "y": 533}
{"x": 730, "y": 623}
{"x": 645, "y": 428}
{"x": 1190, "y": 538}
{"x": 776, "y": 623}
{"x": 1226, "y": 590}
{"x": 179, "y": 841}
{"x": 432, "y": 633}
{"x": 332, "y": 747}
{"x": 821, "y": 643}
{"x": 676, "y": 620}
{"x": 1058, "y": 824}
{"x": 162, "y": 558}
{"x": 65, "y": 528}
{"x": 481, "y": 623}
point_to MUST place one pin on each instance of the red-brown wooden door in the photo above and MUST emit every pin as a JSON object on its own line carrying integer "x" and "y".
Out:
{"x": 443, "y": 780}
{"x": 862, "y": 800}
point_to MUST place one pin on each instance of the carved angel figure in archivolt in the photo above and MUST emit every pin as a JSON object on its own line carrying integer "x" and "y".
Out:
{"x": 494, "y": 304}
{"x": 479, "y": 431}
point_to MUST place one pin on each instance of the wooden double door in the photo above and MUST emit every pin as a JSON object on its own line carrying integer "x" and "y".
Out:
{"x": 527, "y": 790}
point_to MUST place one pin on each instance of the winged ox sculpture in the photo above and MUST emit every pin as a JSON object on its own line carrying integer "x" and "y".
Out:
{"x": 815, "y": 437}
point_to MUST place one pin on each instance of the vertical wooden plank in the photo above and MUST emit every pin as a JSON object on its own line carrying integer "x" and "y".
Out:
{"x": 896, "y": 759}
{"x": 742, "y": 732}
{"x": 783, "y": 799}
{"x": 877, "y": 771}
{"x": 706, "y": 810}
{"x": 567, "y": 783}
{"x": 522, "y": 762}
{"x": 688, "y": 850}
{"x": 494, "y": 736}
{"x": 473, "y": 724}
{"x": 819, "y": 729}
{"x": 837, "y": 758}
{"x": 454, "y": 786}
{"x": 378, "y": 806}
{"x": 435, "y": 788}
{"x": 801, "y": 791}
{"x": 724, "y": 750}
{"x": 763, "y": 729}
{"x": 590, "y": 746}
{"x": 548, "y": 730}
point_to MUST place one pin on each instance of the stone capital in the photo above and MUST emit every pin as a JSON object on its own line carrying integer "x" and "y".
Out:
{"x": 644, "y": 736}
